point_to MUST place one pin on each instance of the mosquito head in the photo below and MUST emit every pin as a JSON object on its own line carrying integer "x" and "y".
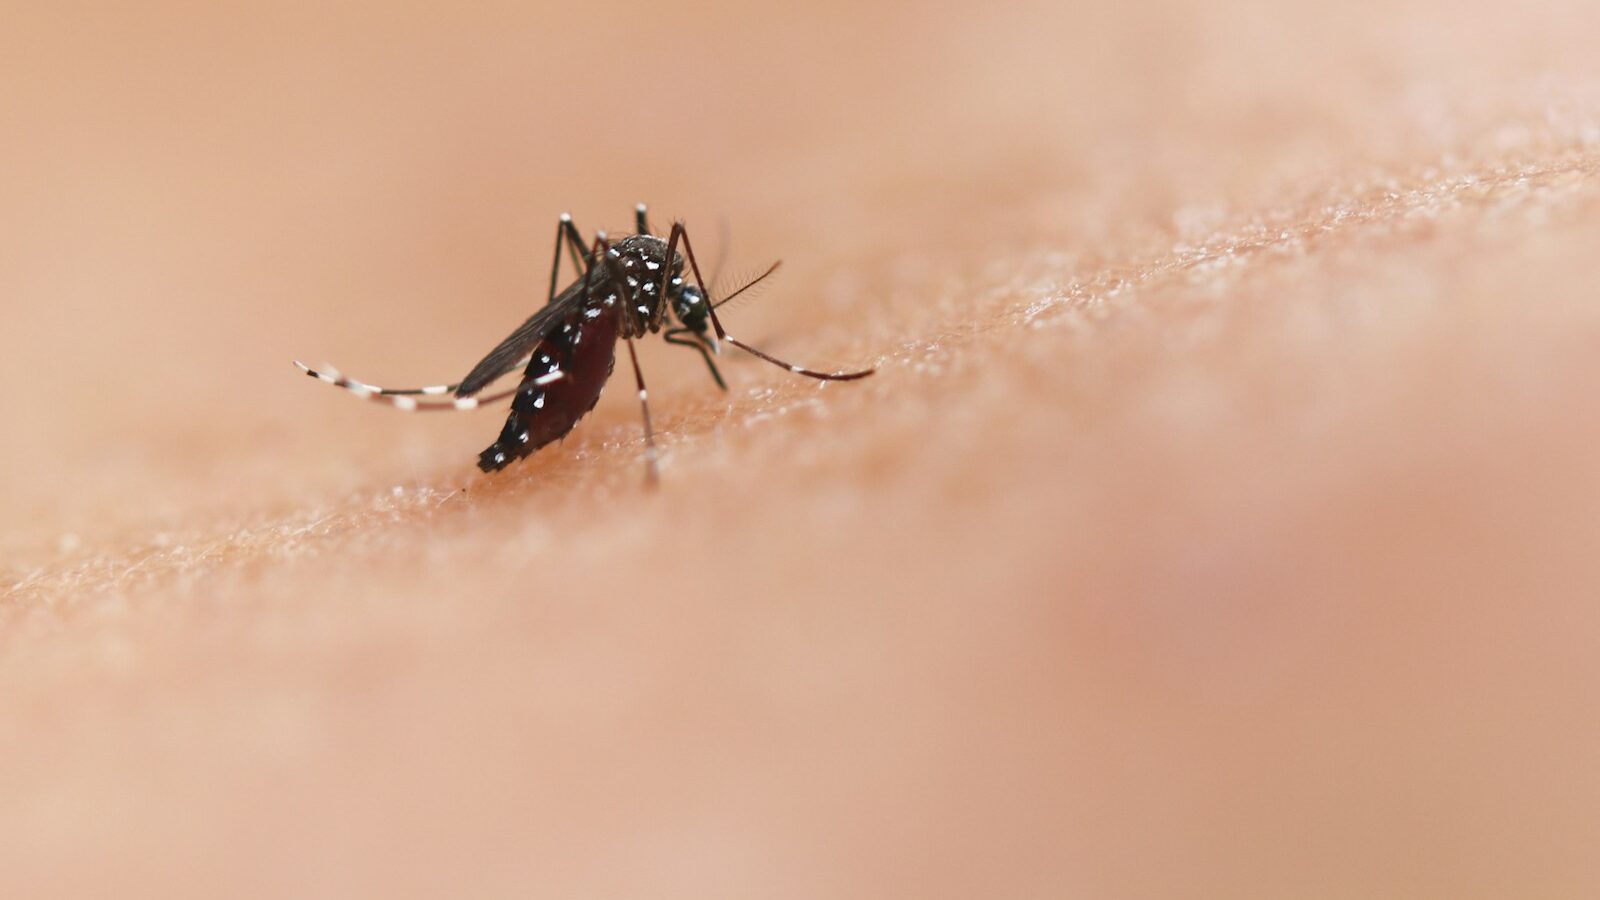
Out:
{"x": 694, "y": 311}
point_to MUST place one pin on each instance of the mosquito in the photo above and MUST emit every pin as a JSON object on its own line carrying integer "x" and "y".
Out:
{"x": 567, "y": 350}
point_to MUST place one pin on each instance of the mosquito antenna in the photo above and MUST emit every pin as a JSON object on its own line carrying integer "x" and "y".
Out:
{"x": 748, "y": 284}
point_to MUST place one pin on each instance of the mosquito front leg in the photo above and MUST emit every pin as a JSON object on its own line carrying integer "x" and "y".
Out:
{"x": 680, "y": 233}
{"x": 675, "y": 336}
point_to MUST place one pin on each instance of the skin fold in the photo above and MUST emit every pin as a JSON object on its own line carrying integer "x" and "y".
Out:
{"x": 1220, "y": 520}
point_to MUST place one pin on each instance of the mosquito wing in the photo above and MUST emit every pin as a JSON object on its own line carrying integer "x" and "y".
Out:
{"x": 512, "y": 353}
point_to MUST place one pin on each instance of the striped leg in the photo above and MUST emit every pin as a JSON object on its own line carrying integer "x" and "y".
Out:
{"x": 405, "y": 399}
{"x": 652, "y": 469}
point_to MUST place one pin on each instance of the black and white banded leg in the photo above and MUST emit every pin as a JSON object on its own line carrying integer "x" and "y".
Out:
{"x": 652, "y": 467}
{"x": 406, "y": 399}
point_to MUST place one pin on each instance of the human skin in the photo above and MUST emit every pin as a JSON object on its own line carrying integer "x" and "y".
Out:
{"x": 1220, "y": 521}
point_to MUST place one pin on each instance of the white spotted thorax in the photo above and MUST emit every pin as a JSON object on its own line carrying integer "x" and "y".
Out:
{"x": 639, "y": 258}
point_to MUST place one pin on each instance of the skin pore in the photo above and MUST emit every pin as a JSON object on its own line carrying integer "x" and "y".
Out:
{"x": 1219, "y": 520}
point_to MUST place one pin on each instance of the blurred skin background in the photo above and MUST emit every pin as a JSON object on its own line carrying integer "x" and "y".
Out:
{"x": 1220, "y": 521}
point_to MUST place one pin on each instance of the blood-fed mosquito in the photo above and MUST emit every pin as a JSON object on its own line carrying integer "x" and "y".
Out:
{"x": 566, "y": 350}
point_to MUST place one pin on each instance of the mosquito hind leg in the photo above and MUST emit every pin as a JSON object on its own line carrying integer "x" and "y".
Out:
{"x": 404, "y": 399}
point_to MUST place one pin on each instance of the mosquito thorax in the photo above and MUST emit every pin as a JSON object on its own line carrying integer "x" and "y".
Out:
{"x": 639, "y": 259}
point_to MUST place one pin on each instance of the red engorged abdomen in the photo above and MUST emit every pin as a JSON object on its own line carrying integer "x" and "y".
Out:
{"x": 544, "y": 413}
{"x": 588, "y": 363}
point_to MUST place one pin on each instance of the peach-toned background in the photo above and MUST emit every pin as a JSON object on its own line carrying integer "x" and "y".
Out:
{"x": 1220, "y": 523}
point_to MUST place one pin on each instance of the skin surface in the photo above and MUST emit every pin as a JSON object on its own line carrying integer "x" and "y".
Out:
{"x": 1221, "y": 520}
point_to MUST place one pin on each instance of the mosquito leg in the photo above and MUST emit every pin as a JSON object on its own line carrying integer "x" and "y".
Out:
{"x": 461, "y": 404}
{"x": 406, "y": 399}
{"x": 672, "y": 337}
{"x": 603, "y": 256}
{"x": 681, "y": 233}
{"x": 568, "y": 234}
{"x": 641, "y": 219}
{"x": 336, "y": 378}
{"x": 330, "y": 375}
{"x": 652, "y": 474}
{"x": 577, "y": 248}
